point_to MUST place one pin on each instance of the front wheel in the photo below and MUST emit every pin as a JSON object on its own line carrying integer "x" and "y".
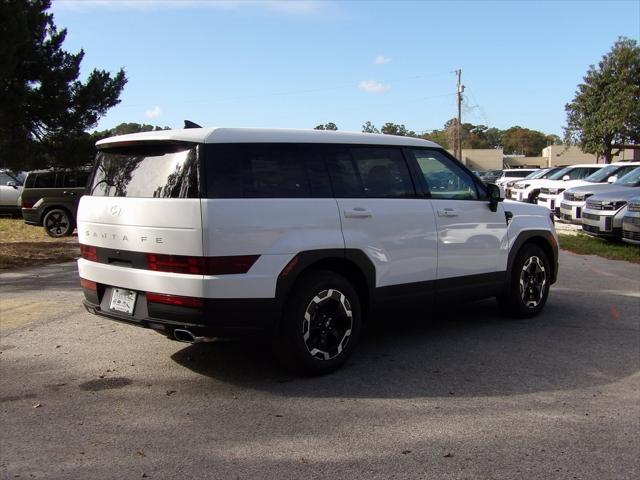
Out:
{"x": 321, "y": 324}
{"x": 529, "y": 283}
{"x": 58, "y": 223}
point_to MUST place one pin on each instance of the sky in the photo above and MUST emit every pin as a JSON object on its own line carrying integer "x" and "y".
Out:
{"x": 293, "y": 64}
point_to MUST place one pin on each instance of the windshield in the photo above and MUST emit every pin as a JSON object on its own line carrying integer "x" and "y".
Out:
{"x": 559, "y": 174}
{"x": 536, "y": 174}
{"x": 631, "y": 179}
{"x": 602, "y": 174}
{"x": 166, "y": 170}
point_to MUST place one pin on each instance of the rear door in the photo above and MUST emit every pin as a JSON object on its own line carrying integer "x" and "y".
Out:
{"x": 144, "y": 198}
{"x": 472, "y": 240}
{"x": 382, "y": 215}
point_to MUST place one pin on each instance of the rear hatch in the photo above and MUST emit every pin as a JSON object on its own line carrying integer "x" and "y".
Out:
{"x": 143, "y": 197}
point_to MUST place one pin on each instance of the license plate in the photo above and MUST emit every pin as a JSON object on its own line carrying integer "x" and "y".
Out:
{"x": 123, "y": 300}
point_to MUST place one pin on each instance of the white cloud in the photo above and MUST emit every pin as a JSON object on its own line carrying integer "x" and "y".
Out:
{"x": 381, "y": 60}
{"x": 300, "y": 7}
{"x": 371, "y": 86}
{"x": 155, "y": 112}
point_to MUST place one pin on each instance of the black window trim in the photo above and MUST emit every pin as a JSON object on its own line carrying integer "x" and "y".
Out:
{"x": 481, "y": 189}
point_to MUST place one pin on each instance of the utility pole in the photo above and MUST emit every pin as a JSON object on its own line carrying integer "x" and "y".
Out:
{"x": 458, "y": 146}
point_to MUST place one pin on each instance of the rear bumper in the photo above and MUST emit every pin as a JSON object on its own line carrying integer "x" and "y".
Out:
{"x": 31, "y": 216}
{"x": 217, "y": 318}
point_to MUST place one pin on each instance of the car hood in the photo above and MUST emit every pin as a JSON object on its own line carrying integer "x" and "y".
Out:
{"x": 598, "y": 188}
{"x": 533, "y": 183}
{"x": 520, "y": 208}
{"x": 623, "y": 193}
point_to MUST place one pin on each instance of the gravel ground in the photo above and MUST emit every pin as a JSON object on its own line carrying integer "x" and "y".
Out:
{"x": 461, "y": 393}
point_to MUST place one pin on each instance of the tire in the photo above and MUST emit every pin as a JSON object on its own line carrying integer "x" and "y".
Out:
{"x": 58, "y": 223}
{"x": 529, "y": 283}
{"x": 533, "y": 198}
{"x": 321, "y": 324}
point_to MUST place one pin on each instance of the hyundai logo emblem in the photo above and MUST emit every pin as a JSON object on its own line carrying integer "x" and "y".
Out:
{"x": 115, "y": 210}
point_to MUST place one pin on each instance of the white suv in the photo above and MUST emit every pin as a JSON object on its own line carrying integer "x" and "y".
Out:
{"x": 298, "y": 234}
{"x": 551, "y": 189}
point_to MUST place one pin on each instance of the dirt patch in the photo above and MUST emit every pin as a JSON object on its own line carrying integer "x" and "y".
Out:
{"x": 24, "y": 245}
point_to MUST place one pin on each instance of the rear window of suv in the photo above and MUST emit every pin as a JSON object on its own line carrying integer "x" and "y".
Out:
{"x": 167, "y": 170}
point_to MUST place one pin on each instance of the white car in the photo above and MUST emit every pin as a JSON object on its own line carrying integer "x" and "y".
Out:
{"x": 298, "y": 236}
{"x": 512, "y": 187}
{"x": 527, "y": 190}
{"x": 551, "y": 189}
{"x": 10, "y": 191}
{"x": 574, "y": 197}
{"x": 512, "y": 174}
{"x": 631, "y": 222}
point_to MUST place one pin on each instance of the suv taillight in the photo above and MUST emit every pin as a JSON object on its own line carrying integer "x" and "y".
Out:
{"x": 88, "y": 284}
{"x": 201, "y": 265}
{"x": 89, "y": 252}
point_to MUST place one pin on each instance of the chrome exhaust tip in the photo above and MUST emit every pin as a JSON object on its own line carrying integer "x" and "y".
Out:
{"x": 186, "y": 336}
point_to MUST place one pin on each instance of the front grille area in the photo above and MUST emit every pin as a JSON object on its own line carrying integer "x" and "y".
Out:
{"x": 591, "y": 216}
{"x": 594, "y": 205}
{"x": 632, "y": 220}
{"x": 569, "y": 196}
{"x": 590, "y": 228}
{"x": 629, "y": 235}
{"x": 634, "y": 207}
{"x": 565, "y": 206}
{"x": 544, "y": 190}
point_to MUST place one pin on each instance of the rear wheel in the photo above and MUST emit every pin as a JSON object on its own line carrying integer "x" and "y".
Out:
{"x": 58, "y": 223}
{"x": 529, "y": 283}
{"x": 322, "y": 322}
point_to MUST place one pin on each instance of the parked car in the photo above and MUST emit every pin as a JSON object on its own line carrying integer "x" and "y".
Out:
{"x": 298, "y": 236}
{"x": 603, "y": 213}
{"x": 10, "y": 191}
{"x": 490, "y": 176}
{"x": 573, "y": 199}
{"x": 551, "y": 189}
{"x": 50, "y": 199}
{"x": 512, "y": 174}
{"x": 631, "y": 222}
{"x": 508, "y": 187}
{"x": 525, "y": 190}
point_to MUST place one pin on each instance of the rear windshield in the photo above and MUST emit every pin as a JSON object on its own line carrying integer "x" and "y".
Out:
{"x": 167, "y": 170}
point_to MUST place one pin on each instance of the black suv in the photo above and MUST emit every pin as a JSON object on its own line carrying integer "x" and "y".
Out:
{"x": 50, "y": 199}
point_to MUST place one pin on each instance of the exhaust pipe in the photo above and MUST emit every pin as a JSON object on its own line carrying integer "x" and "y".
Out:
{"x": 186, "y": 336}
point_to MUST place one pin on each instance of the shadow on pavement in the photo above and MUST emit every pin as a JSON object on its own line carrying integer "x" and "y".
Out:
{"x": 470, "y": 352}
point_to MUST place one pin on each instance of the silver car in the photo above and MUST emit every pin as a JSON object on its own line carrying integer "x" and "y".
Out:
{"x": 631, "y": 222}
{"x": 602, "y": 216}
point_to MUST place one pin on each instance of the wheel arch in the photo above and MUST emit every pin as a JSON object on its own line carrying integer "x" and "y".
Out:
{"x": 543, "y": 239}
{"x": 56, "y": 206}
{"x": 352, "y": 264}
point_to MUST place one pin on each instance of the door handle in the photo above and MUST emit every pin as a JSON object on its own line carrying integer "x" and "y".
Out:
{"x": 358, "y": 212}
{"x": 448, "y": 212}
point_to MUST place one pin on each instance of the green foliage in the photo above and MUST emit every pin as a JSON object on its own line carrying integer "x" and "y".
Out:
{"x": 44, "y": 109}
{"x": 391, "y": 128}
{"x": 605, "y": 111}
{"x": 523, "y": 141}
{"x": 326, "y": 126}
{"x": 369, "y": 127}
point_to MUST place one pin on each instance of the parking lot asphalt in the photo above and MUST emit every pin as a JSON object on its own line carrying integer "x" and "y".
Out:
{"x": 458, "y": 393}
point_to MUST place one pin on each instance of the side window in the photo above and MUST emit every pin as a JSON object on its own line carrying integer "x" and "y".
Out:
{"x": 266, "y": 171}
{"x": 4, "y": 178}
{"x": 369, "y": 172}
{"x": 44, "y": 180}
{"x": 444, "y": 178}
{"x": 383, "y": 172}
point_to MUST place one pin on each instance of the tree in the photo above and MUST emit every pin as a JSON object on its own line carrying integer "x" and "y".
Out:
{"x": 369, "y": 127}
{"x": 523, "y": 141}
{"x": 44, "y": 108}
{"x": 391, "y": 128}
{"x": 605, "y": 111}
{"x": 326, "y": 126}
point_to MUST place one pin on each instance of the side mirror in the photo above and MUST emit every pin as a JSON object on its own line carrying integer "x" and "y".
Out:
{"x": 566, "y": 177}
{"x": 13, "y": 184}
{"x": 612, "y": 178}
{"x": 494, "y": 196}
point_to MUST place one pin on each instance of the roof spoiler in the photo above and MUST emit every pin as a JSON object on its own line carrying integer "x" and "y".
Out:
{"x": 190, "y": 124}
